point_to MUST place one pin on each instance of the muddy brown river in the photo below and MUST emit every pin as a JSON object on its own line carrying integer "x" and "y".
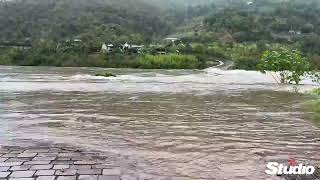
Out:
{"x": 210, "y": 124}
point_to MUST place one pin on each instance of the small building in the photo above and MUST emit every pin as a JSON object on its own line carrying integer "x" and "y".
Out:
{"x": 172, "y": 39}
{"x": 249, "y": 3}
{"x": 104, "y": 48}
{"x": 107, "y": 48}
{"x": 126, "y": 46}
{"x": 137, "y": 48}
{"x": 77, "y": 40}
{"x": 293, "y": 32}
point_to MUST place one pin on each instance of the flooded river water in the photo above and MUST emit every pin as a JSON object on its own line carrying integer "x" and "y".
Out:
{"x": 210, "y": 124}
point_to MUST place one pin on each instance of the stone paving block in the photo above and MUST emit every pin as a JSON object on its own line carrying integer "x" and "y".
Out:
{"x": 113, "y": 171}
{"x": 3, "y": 159}
{"x": 85, "y": 162}
{"x": 21, "y": 178}
{"x": 41, "y": 167}
{"x": 90, "y": 171}
{"x": 20, "y": 168}
{"x": 103, "y": 166}
{"x": 4, "y": 174}
{"x": 63, "y": 158}
{"x": 17, "y": 151}
{"x": 37, "y": 162}
{"x": 67, "y": 172}
{"x": 26, "y": 155}
{"x": 81, "y": 158}
{"x": 80, "y": 167}
{"x": 51, "y": 154}
{"x": 15, "y": 159}
{"x": 88, "y": 177}
{"x": 4, "y": 151}
{"x": 4, "y": 169}
{"x": 63, "y": 162}
{"x": 68, "y": 154}
{"x": 109, "y": 178}
{"x": 22, "y": 174}
{"x": 128, "y": 177}
{"x": 66, "y": 177}
{"x": 46, "y": 178}
{"x": 37, "y": 151}
{"x": 44, "y": 158}
{"x": 9, "y": 155}
{"x": 45, "y": 172}
{"x": 6, "y": 164}
{"x": 61, "y": 166}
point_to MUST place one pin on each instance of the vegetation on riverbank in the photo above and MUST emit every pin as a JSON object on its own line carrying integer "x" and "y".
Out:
{"x": 224, "y": 30}
{"x": 314, "y": 106}
{"x": 170, "y": 61}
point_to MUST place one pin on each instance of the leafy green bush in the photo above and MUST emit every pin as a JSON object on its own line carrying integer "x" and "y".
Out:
{"x": 291, "y": 65}
{"x": 170, "y": 61}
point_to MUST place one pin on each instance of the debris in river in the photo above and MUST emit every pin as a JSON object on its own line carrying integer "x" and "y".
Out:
{"x": 106, "y": 74}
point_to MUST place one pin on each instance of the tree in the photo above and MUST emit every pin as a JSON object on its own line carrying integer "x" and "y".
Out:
{"x": 291, "y": 65}
{"x": 307, "y": 28}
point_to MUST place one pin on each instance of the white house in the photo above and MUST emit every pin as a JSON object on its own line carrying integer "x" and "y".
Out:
{"x": 106, "y": 48}
{"x": 138, "y": 48}
{"x": 126, "y": 46}
{"x": 172, "y": 39}
{"x": 249, "y": 3}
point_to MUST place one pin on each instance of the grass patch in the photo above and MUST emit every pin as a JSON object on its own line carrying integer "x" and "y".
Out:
{"x": 316, "y": 92}
{"x": 170, "y": 61}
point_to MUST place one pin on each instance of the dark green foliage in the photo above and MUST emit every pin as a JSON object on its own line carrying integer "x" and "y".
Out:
{"x": 246, "y": 63}
{"x": 316, "y": 92}
{"x": 307, "y": 28}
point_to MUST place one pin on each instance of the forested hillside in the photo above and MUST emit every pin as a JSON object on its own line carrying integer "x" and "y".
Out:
{"x": 239, "y": 30}
{"x": 256, "y": 25}
{"x": 95, "y": 20}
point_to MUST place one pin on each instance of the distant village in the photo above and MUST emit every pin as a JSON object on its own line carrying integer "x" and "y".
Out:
{"x": 139, "y": 49}
{"x": 105, "y": 48}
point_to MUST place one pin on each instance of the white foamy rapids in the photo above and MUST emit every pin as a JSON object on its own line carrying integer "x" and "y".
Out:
{"x": 206, "y": 81}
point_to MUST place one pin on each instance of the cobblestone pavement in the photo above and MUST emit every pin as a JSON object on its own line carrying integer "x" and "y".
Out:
{"x": 69, "y": 164}
{"x": 56, "y": 164}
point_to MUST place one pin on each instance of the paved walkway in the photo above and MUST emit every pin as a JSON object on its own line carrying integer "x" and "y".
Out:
{"x": 55, "y": 164}
{"x": 63, "y": 164}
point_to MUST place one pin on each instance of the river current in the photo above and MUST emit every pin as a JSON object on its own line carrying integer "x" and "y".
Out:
{"x": 209, "y": 124}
